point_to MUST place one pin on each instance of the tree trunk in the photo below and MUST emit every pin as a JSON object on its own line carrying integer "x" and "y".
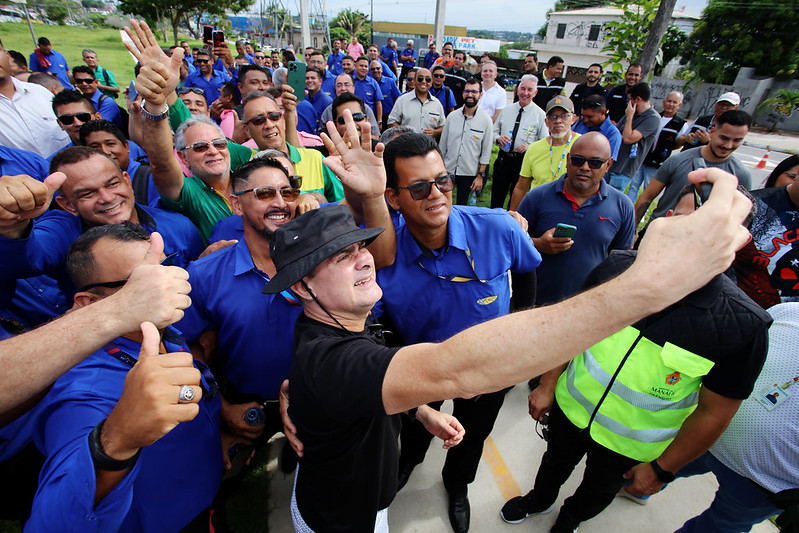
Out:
{"x": 659, "y": 26}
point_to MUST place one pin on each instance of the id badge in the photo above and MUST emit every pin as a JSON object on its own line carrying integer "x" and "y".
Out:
{"x": 772, "y": 398}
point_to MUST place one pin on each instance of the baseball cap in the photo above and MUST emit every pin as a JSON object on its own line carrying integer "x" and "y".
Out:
{"x": 562, "y": 102}
{"x": 731, "y": 97}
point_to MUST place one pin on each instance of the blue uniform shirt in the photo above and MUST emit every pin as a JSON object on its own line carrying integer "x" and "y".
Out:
{"x": 411, "y": 52}
{"x": 319, "y": 101}
{"x": 390, "y": 94}
{"x": 14, "y": 161}
{"x": 389, "y": 53}
{"x": 445, "y": 96}
{"x": 58, "y": 66}
{"x": 211, "y": 87}
{"x": 108, "y": 108}
{"x": 256, "y": 331}
{"x": 429, "y": 59}
{"x": 173, "y": 481}
{"x": 387, "y": 72}
{"x": 418, "y": 293}
{"x": 334, "y": 60}
{"x": 307, "y": 118}
{"x": 329, "y": 87}
{"x": 604, "y": 222}
{"x": 369, "y": 91}
{"x": 607, "y": 129}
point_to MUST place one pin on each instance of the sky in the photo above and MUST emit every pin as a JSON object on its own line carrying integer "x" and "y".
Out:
{"x": 515, "y": 15}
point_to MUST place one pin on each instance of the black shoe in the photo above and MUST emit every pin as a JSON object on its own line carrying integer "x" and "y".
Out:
{"x": 288, "y": 459}
{"x": 520, "y": 507}
{"x": 459, "y": 512}
{"x": 565, "y": 524}
{"x": 405, "y": 470}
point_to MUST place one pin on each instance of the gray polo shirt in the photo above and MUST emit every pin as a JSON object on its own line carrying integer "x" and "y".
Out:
{"x": 410, "y": 111}
{"x": 674, "y": 175}
{"x": 466, "y": 142}
{"x": 531, "y": 127}
{"x": 647, "y": 124}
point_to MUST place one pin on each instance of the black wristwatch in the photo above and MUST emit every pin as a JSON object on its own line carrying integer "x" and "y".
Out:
{"x": 663, "y": 475}
{"x": 100, "y": 459}
{"x": 482, "y": 174}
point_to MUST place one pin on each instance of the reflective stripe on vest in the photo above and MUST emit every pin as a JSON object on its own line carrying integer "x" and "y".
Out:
{"x": 653, "y": 393}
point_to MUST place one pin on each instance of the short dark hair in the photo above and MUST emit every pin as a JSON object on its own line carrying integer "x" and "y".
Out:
{"x": 44, "y": 41}
{"x": 241, "y": 175}
{"x": 244, "y": 70}
{"x": 595, "y": 101}
{"x": 448, "y": 43}
{"x": 405, "y": 146}
{"x": 228, "y": 88}
{"x": 437, "y": 67}
{"x": 101, "y": 125}
{"x": 461, "y": 52}
{"x": 735, "y": 117}
{"x": 75, "y": 154}
{"x": 362, "y": 58}
{"x": 554, "y": 60}
{"x": 533, "y": 55}
{"x": 317, "y": 71}
{"x": 289, "y": 55}
{"x": 634, "y": 65}
{"x": 317, "y": 52}
{"x": 68, "y": 96}
{"x": 597, "y": 65}
{"x": 348, "y": 57}
{"x": 784, "y": 166}
{"x": 343, "y": 98}
{"x": 45, "y": 80}
{"x": 83, "y": 69}
{"x": 18, "y": 58}
{"x": 474, "y": 81}
{"x": 203, "y": 52}
{"x": 81, "y": 264}
{"x": 639, "y": 90}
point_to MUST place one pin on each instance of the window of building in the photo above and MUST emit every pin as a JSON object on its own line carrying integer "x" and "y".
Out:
{"x": 561, "y": 31}
{"x": 593, "y": 33}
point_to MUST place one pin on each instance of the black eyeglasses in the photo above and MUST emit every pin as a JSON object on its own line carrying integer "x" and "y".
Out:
{"x": 202, "y": 60}
{"x": 270, "y": 193}
{"x": 439, "y": 75}
{"x": 420, "y": 79}
{"x": 202, "y": 146}
{"x": 595, "y": 164}
{"x": 68, "y": 118}
{"x": 356, "y": 117}
{"x": 421, "y": 190}
{"x": 257, "y": 120}
{"x": 170, "y": 260}
{"x": 375, "y": 69}
{"x": 187, "y": 90}
{"x": 78, "y": 81}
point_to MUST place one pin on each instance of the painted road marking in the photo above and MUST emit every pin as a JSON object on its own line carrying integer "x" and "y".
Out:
{"x": 507, "y": 485}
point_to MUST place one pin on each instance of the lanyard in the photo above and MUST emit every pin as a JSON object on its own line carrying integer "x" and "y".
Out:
{"x": 556, "y": 173}
{"x": 288, "y": 296}
{"x": 458, "y": 279}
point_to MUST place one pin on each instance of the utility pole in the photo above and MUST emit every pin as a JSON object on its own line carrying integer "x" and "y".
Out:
{"x": 652, "y": 44}
{"x": 438, "y": 31}
{"x": 305, "y": 26}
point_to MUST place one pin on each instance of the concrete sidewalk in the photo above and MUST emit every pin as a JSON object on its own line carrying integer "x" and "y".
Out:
{"x": 777, "y": 141}
{"x": 510, "y": 461}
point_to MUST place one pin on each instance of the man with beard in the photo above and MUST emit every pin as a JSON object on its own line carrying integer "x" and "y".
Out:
{"x": 466, "y": 143}
{"x": 550, "y": 82}
{"x": 457, "y": 76}
{"x": 616, "y": 98}
{"x": 592, "y": 86}
{"x": 595, "y": 118}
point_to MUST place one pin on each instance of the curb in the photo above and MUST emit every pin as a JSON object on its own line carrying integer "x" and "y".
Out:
{"x": 759, "y": 146}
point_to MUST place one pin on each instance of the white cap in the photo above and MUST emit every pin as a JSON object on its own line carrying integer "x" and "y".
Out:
{"x": 731, "y": 97}
{"x": 410, "y": 42}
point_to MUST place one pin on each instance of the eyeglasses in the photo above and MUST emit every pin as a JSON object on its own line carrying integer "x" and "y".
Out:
{"x": 421, "y": 79}
{"x": 170, "y": 260}
{"x": 202, "y": 146}
{"x": 68, "y": 118}
{"x": 203, "y": 61}
{"x": 471, "y": 91}
{"x": 439, "y": 75}
{"x": 564, "y": 117}
{"x": 259, "y": 57}
{"x": 374, "y": 69}
{"x": 79, "y": 81}
{"x": 186, "y": 90}
{"x": 356, "y": 117}
{"x": 258, "y": 120}
{"x": 595, "y": 164}
{"x": 422, "y": 189}
{"x": 342, "y": 85}
{"x": 270, "y": 193}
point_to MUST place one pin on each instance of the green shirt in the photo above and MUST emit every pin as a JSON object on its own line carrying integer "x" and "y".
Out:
{"x": 106, "y": 77}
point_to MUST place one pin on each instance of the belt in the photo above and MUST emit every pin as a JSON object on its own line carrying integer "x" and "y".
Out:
{"x": 511, "y": 155}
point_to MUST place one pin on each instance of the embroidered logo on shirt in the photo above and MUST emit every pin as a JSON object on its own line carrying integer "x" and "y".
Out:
{"x": 486, "y": 301}
{"x": 604, "y": 218}
{"x": 673, "y": 378}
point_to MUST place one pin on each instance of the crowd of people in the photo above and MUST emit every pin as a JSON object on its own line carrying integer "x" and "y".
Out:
{"x": 207, "y": 258}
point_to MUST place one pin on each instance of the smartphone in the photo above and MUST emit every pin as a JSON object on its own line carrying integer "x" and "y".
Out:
{"x": 208, "y": 32}
{"x": 565, "y": 230}
{"x": 296, "y": 79}
{"x": 132, "y": 92}
{"x": 219, "y": 38}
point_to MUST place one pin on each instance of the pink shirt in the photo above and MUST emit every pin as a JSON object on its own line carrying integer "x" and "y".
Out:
{"x": 355, "y": 50}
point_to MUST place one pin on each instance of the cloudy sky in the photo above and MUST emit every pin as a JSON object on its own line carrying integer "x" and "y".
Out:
{"x": 514, "y": 15}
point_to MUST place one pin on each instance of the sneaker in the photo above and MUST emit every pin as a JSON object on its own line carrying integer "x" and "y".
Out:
{"x": 640, "y": 500}
{"x": 520, "y": 507}
{"x": 565, "y": 524}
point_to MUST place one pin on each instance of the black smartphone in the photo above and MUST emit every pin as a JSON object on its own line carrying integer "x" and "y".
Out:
{"x": 208, "y": 32}
{"x": 219, "y": 38}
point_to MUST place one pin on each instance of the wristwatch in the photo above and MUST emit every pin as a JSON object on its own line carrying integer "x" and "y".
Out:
{"x": 663, "y": 475}
{"x": 155, "y": 118}
{"x": 100, "y": 459}
{"x": 482, "y": 174}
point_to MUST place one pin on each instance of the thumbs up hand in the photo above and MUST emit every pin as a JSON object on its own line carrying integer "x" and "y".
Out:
{"x": 23, "y": 198}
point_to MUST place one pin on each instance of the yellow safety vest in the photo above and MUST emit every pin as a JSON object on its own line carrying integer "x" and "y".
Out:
{"x": 656, "y": 388}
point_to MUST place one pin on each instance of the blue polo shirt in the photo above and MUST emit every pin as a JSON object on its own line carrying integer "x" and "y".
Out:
{"x": 418, "y": 293}
{"x": 329, "y": 87}
{"x": 108, "y": 108}
{"x": 211, "y": 87}
{"x": 406, "y": 52}
{"x": 445, "y": 96}
{"x": 256, "y": 331}
{"x": 604, "y": 222}
{"x": 334, "y": 60}
{"x": 319, "y": 101}
{"x": 173, "y": 481}
{"x": 387, "y": 72}
{"x": 369, "y": 91}
{"x": 152, "y": 193}
{"x": 607, "y": 129}
{"x": 389, "y": 53}
{"x": 390, "y": 94}
{"x": 58, "y": 66}
{"x": 14, "y": 161}
{"x": 429, "y": 59}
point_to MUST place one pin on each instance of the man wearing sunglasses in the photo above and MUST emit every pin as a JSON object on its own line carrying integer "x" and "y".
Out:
{"x": 388, "y": 87}
{"x": 207, "y": 78}
{"x": 87, "y": 84}
{"x": 367, "y": 89}
{"x": 374, "y": 55}
{"x": 194, "y": 100}
{"x": 441, "y": 91}
{"x": 594, "y": 117}
{"x": 142, "y": 390}
{"x": 450, "y": 272}
{"x": 419, "y": 109}
{"x": 73, "y": 110}
{"x": 346, "y": 84}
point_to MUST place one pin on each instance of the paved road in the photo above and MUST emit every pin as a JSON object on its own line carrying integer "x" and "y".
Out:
{"x": 751, "y": 156}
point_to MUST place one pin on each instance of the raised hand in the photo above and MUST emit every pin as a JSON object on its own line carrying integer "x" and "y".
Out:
{"x": 159, "y": 74}
{"x": 23, "y": 198}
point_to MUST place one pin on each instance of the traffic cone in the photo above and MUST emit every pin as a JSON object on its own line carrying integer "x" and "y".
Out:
{"x": 762, "y": 163}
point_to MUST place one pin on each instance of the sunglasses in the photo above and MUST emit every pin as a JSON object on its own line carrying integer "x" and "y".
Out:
{"x": 439, "y": 75}
{"x": 270, "y": 193}
{"x": 421, "y": 79}
{"x": 260, "y": 57}
{"x": 170, "y": 260}
{"x": 203, "y": 61}
{"x": 421, "y": 190}
{"x": 202, "y": 146}
{"x": 595, "y": 164}
{"x": 68, "y": 119}
{"x": 356, "y": 117}
{"x": 375, "y": 69}
{"x": 79, "y": 81}
{"x": 258, "y": 120}
{"x": 187, "y": 90}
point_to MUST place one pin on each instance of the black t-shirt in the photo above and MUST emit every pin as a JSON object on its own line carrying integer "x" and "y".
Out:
{"x": 616, "y": 101}
{"x": 718, "y": 322}
{"x": 583, "y": 91}
{"x": 349, "y": 468}
{"x": 546, "y": 93}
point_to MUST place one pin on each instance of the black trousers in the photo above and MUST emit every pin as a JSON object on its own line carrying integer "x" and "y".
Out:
{"x": 506, "y": 174}
{"x": 602, "y": 479}
{"x": 477, "y": 415}
{"x": 464, "y": 184}
{"x": 402, "y": 76}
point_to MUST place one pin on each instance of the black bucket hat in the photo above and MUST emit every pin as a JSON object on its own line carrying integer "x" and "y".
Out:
{"x": 303, "y": 243}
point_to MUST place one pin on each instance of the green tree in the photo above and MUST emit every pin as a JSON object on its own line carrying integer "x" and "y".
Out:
{"x": 671, "y": 47}
{"x": 58, "y": 10}
{"x": 625, "y": 38}
{"x": 757, "y": 33}
{"x": 353, "y": 22}
{"x": 782, "y": 104}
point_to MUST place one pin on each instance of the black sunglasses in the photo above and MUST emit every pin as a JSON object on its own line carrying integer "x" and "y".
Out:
{"x": 356, "y": 117}
{"x": 595, "y": 164}
{"x": 421, "y": 190}
{"x": 439, "y": 75}
{"x": 202, "y": 60}
{"x": 420, "y": 79}
{"x": 83, "y": 80}
{"x": 187, "y": 90}
{"x": 68, "y": 119}
{"x": 270, "y": 193}
{"x": 257, "y": 120}
{"x": 170, "y": 260}
{"x": 202, "y": 146}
